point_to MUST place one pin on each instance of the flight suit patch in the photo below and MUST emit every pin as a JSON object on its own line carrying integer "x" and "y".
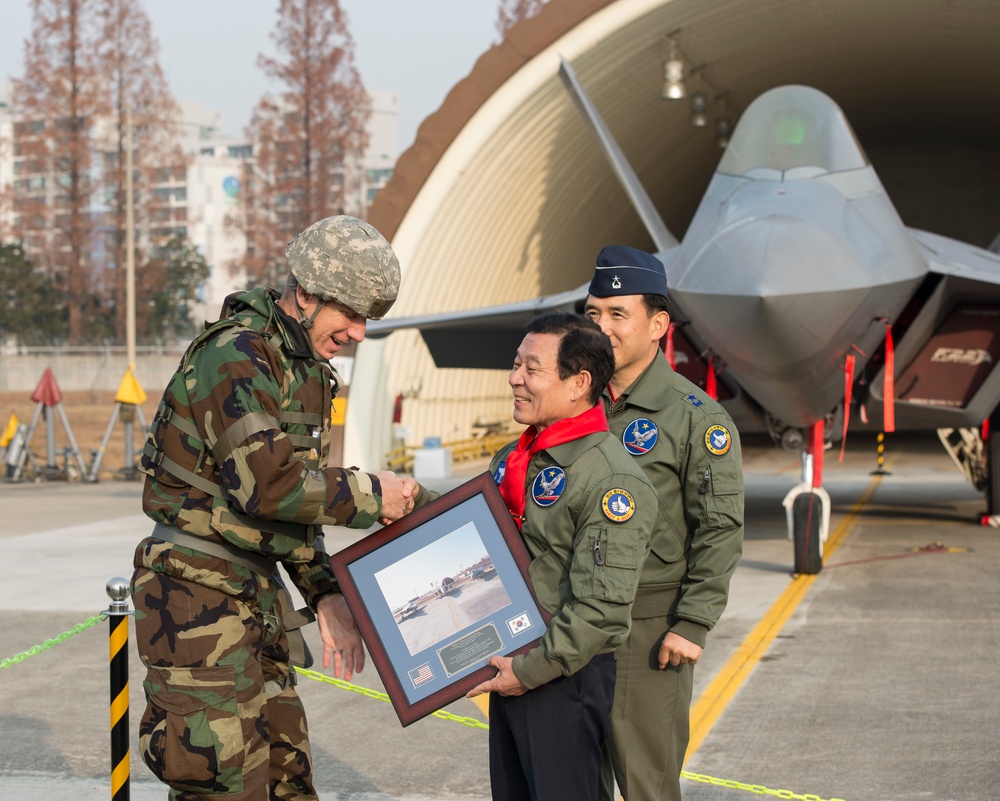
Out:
{"x": 718, "y": 440}
{"x": 640, "y": 436}
{"x": 498, "y": 473}
{"x": 548, "y": 485}
{"x": 694, "y": 400}
{"x": 618, "y": 505}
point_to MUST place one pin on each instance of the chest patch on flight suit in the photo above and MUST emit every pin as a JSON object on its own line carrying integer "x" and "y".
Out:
{"x": 498, "y": 473}
{"x": 640, "y": 436}
{"x": 718, "y": 440}
{"x": 548, "y": 485}
{"x": 618, "y": 505}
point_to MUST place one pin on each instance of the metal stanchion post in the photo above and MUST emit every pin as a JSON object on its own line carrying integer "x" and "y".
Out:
{"x": 118, "y": 613}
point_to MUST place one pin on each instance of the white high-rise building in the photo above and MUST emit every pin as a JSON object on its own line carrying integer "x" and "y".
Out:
{"x": 198, "y": 204}
{"x": 214, "y": 178}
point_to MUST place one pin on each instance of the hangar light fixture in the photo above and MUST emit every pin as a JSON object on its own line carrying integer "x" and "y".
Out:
{"x": 699, "y": 109}
{"x": 673, "y": 76}
{"x": 723, "y": 127}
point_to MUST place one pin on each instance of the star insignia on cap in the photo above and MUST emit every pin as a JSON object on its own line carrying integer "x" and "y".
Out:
{"x": 616, "y": 283}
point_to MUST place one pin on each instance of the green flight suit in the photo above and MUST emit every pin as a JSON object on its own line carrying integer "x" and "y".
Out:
{"x": 687, "y": 445}
{"x": 590, "y": 602}
{"x": 587, "y": 517}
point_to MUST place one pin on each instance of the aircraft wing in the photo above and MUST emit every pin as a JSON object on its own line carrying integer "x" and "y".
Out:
{"x": 496, "y": 331}
{"x": 946, "y": 356}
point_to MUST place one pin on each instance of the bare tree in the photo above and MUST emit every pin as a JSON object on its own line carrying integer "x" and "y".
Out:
{"x": 165, "y": 288}
{"x": 308, "y": 140}
{"x": 59, "y": 101}
{"x": 512, "y": 12}
{"x": 136, "y": 83}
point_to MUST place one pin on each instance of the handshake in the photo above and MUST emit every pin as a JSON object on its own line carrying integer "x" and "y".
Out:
{"x": 398, "y": 495}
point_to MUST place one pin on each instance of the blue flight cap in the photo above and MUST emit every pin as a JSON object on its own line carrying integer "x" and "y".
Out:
{"x": 622, "y": 270}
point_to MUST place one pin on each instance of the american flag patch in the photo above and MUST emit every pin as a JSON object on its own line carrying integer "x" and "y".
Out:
{"x": 421, "y": 675}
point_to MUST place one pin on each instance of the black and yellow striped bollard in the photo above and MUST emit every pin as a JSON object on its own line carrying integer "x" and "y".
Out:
{"x": 880, "y": 469}
{"x": 118, "y": 613}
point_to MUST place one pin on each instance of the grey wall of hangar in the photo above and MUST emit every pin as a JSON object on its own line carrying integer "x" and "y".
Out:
{"x": 505, "y": 195}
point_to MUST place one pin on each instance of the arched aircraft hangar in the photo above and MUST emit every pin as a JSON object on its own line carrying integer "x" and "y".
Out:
{"x": 505, "y": 194}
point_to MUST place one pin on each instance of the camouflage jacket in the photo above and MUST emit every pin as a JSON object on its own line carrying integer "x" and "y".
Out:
{"x": 238, "y": 450}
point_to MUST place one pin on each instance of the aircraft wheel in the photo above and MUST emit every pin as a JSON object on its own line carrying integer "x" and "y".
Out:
{"x": 806, "y": 519}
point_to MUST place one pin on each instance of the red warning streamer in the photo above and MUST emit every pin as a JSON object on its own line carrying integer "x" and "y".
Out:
{"x": 668, "y": 349}
{"x": 711, "y": 388}
{"x": 848, "y": 383}
{"x": 889, "y": 386}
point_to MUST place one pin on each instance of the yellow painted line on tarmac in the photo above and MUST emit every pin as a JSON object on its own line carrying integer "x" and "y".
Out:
{"x": 483, "y": 702}
{"x": 713, "y": 701}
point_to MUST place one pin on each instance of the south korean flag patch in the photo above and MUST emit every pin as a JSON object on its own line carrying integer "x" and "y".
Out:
{"x": 548, "y": 485}
{"x": 640, "y": 436}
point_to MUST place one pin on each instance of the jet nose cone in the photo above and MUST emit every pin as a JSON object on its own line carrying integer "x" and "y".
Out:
{"x": 773, "y": 293}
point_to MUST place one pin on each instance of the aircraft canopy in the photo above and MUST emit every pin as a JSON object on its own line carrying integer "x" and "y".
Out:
{"x": 789, "y": 127}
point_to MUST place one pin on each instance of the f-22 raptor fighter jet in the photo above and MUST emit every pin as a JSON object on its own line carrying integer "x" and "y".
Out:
{"x": 799, "y": 286}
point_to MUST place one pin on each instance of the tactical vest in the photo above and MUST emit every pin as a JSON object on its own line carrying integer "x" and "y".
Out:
{"x": 197, "y": 464}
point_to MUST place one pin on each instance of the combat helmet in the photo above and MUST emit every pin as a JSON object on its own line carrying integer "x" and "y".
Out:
{"x": 344, "y": 259}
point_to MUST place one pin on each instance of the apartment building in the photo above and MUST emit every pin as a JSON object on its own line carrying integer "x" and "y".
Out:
{"x": 198, "y": 201}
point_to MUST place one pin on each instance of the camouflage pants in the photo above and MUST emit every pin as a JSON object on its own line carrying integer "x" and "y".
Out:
{"x": 217, "y": 723}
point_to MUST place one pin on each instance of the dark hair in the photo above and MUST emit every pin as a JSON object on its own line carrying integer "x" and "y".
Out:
{"x": 584, "y": 346}
{"x": 654, "y": 303}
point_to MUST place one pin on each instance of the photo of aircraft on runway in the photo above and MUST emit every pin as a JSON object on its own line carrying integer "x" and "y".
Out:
{"x": 798, "y": 285}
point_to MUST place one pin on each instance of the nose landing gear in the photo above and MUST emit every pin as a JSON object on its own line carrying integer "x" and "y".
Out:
{"x": 807, "y": 507}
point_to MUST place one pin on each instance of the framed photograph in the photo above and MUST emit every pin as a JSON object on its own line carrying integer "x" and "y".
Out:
{"x": 438, "y": 593}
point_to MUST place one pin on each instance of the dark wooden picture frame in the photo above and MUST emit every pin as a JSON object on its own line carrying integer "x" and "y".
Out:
{"x": 468, "y": 542}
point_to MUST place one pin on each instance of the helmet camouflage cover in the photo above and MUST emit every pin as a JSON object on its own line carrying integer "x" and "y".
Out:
{"x": 344, "y": 259}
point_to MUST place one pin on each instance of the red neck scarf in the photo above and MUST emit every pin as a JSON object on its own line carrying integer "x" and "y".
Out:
{"x": 512, "y": 487}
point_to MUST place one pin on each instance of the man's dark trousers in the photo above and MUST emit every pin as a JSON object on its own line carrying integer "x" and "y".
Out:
{"x": 545, "y": 745}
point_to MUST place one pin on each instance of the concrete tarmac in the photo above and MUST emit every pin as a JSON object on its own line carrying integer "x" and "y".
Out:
{"x": 880, "y": 685}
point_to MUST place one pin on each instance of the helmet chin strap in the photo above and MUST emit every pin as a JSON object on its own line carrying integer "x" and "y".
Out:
{"x": 307, "y": 322}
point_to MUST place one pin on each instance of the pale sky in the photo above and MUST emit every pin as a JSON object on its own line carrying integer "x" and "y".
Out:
{"x": 418, "y": 49}
{"x": 415, "y": 574}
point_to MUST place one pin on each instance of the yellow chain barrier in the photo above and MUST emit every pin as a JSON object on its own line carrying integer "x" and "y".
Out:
{"x": 751, "y": 788}
{"x": 381, "y": 696}
{"x": 478, "y": 724}
{"x": 37, "y": 649}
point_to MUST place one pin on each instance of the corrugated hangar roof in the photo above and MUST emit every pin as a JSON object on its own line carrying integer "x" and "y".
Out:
{"x": 505, "y": 194}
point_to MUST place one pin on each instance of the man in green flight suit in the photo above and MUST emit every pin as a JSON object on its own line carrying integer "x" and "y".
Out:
{"x": 237, "y": 481}
{"x": 586, "y": 526}
{"x": 687, "y": 446}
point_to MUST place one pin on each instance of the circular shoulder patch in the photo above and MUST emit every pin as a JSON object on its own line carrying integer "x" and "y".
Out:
{"x": 618, "y": 505}
{"x": 640, "y": 436}
{"x": 548, "y": 485}
{"x": 718, "y": 440}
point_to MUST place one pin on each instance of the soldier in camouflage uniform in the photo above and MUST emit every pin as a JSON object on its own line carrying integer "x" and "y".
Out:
{"x": 688, "y": 447}
{"x": 237, "y": 481}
